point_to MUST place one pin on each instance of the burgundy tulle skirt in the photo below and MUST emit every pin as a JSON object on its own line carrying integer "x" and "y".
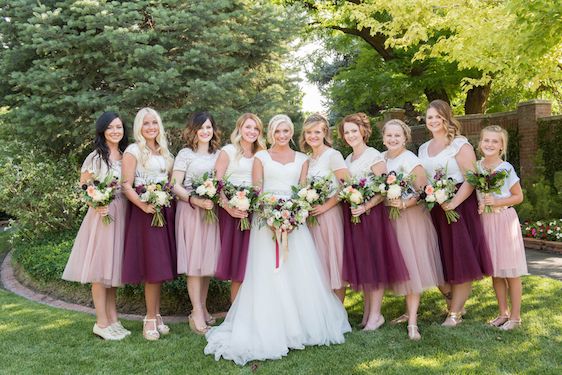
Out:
{"x": 150, "y": 252}
{"x": 234, "y": 248}
{"x": 464, "y": 251}
{"x": 371, "y": 256}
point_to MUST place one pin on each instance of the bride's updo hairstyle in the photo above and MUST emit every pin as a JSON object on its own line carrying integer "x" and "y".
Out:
{"x": 362, "y": 121}
{"x": 274, "y": 124}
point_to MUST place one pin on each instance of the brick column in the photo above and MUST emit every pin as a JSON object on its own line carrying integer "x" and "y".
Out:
{"x": 528, "y": 114}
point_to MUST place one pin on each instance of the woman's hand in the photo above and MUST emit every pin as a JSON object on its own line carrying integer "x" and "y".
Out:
{"x": 359, "y": 210}
{"x": 103, "y": 210}
{"x": 448, "y": 206}
{"x": 319, "y": 209}
{"x": 234, "y": 212}
{"x": 398, "y": 203}
{"x": 489, "y": 200}
{"x": 205, "y": 204}
{"x": 148, "y": 208}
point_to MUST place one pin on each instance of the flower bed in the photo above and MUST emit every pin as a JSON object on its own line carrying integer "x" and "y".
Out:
{"x": 543, "y": 235}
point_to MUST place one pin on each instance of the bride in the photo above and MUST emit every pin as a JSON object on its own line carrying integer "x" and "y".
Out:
{"x": 293, "y": 307}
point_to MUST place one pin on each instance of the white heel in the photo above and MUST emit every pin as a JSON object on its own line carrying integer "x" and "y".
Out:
{"x": 150, "y": 334}
{"x": 162, "y": 328}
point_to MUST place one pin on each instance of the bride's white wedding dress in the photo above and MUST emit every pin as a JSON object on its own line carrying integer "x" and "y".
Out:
{"x": 287, "y": 309}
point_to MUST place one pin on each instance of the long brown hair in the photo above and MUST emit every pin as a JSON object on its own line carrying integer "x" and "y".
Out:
{"x": 193, "y": 125}
{"x": 452, "y": 125}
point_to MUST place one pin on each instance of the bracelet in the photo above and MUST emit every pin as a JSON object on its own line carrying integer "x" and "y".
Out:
{"x": 189, "y": 201}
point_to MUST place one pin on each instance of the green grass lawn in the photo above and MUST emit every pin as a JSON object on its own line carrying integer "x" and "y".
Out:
{"x": 35, "y": 339}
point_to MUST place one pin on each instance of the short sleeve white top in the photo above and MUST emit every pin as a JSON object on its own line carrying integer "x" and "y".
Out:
{"x": 153, "y": 170}
{"x": 511, "y": 179}
{"x": 95, "y": 165}
{"x": 362, "y": 165}
{"x": 444, "y": 160}
{"x": 328, "y": 162}
{"x": 239, "y": 171}
{"x": 403, "y": 163}
{"x": 194, "y": 165}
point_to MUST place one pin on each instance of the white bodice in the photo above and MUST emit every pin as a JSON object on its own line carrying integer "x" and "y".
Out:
{"x": 444, "y": 159}
{"x": 511, "y": 180}
{"x": 277, "y": 177}
{"x": 97, "y": 167}
{"x": 403, "y": 163}
{"x": 239, "y": 171}
{"x": 362, "y": 165}
{"x": 153, "y": 170}
{"x": 328, "y": 162}
{"x": 194, "y": 165}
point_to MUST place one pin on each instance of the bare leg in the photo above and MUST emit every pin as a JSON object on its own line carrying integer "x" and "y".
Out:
{"x": 206, "y": 280}
{"x": 461, "y": 292}
{"x": 99, "y": 295}
{"x": 375, "y": 319}
{"x": 234, "y": 288}
{"x": 152, "y": 299}
{"x": 194, "y": 287}
{"x": 500, "y": 286}
{"x": 412, "y": 304}
{"x": 111, "y": 302}
{"x": 340, "y": 293}
{"x": 366, "y": 307}
{"x": 515, "y": 293}
{"x": 446, "y": 290}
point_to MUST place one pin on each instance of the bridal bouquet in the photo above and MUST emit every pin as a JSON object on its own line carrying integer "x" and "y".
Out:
{"x": 100, "y": 193}
{"x": 440, "y": 190}
{"x": 207, "y": 186}
{"x": 316, "y": 191}
{"x": 394, "y": 186}
{"x": 281, "y": 216}
{"x": 357, "y": 191}
{"x": 243, "y": 198}
{"x": 160, "y": 195}
{"x": 486, "y": 182}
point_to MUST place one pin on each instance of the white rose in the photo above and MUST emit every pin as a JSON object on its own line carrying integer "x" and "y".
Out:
{"x": 144, "y": 196}
{"x": 440, "y": 196}
{"x": 98, "y": 196}
{"x": 356, "y": 197}
{"x": 382, "y": 187}
{"x": 211, "y": 191}
{"x": 161, "y": 198}
{"x": 270, "y": 221}
{"x": 311, "y": 196}
{"x": 200, "y": 190}
{"x": 430, "y": 198}
{"x": 243, "y": 204}
{"x": 394, "y": 192}
{"x": 277, "y": 214}
{"x": 302, "y": 193}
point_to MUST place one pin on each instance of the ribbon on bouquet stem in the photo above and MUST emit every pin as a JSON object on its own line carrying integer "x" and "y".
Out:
{"x": 281, "y": 237}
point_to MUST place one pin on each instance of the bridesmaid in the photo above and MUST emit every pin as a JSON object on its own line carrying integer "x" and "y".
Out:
{"x": 198, "y": 242}
{"x": 316, "y": 140}
{"x": 150, "y": 252}
{"x": 97, "y": 253}
{"x": 235, "y": 163}
{"x": 372, "y": 259}
{"x": 464, "y": 251}
{"x": 414, "y": 230}
{"x": 503, "y": 230}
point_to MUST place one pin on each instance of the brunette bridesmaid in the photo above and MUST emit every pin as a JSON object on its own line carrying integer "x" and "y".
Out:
{"x": 235, "y": 164}
{"x": 414, "y": 230}
{"x": 464, "y": 251}
{"x": 502, "y": 229}
{"x": 150, "y": 251}
{"x": 372, "y": 258}
{"x": 316, "y": 140}
{"x": 97, "y": 253}
{"x": 198, "y": 241}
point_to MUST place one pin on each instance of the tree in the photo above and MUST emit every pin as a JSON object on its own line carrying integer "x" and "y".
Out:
{"x": 477, "y": 44}
{"x": 64, "y": 62}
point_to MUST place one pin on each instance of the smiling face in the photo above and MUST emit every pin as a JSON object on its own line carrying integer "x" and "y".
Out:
{"x": 205, "y": 132}
{"x": 314, "y": 136}
{"x": 394, "y": 138}
{"x": 150, "y": 128}
{"x": 435, "y": 122}
{"x": 491, "y": 144}
{"x": 114, "y": 132}
{"x": 249, "y": 131}
{"x": 352, "y": 134}
{"x": 282, "y": 134}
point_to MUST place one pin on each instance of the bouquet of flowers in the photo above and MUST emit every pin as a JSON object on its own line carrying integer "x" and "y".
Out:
{"x": 100, "y": 193}
{"x": 394, "y": 186}
{"x": 160, "y": 195}
{"x": 486, "y": 182}
{"x": 440, "y": 190}
{"x": 243, "y": 198}
{"x": 281, "y": 216}
{"x": 316, "y": 191}
{"x": 207, "y": 186}
{"x": 358, "y": 190}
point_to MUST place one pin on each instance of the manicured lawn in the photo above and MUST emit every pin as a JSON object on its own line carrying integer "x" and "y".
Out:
{"x": 35, "y": 339}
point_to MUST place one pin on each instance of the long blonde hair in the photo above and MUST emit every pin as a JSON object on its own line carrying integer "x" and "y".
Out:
{"x": 236, "y": 137}
{"x": 452, "y": 125}
{"x": 310, "y": 122}
{"x": 274, "y": 124}
{"x": 161, "y": 142}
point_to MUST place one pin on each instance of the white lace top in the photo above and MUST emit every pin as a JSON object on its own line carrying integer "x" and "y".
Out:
{"x": 239, "y": 171}
{"x": 95, "y": 165}
{"x": 328, "y": 162}
{"x": 194, "y": 165}
{"x": 444, "y": 159}
{"x": 154, "y": 169}
{"x": 362, "y": 165}
{"x": 277, "y": 177}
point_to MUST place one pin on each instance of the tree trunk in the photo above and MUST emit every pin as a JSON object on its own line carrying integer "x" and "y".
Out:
{"x": 476, "y": 99}
{"x": 436, "y": 93}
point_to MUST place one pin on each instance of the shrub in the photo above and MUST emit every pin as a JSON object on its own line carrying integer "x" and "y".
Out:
{"x": 550, "y": 230}
{"x": 550, "y": 139}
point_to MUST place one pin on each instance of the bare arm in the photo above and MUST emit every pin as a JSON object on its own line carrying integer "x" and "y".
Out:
{"x": 220, "y": 169}
{"x": 515, "y": 198}
{"x": 257, "y": 174}
{"x": 129, "y": 166}
{"x": 378, "y": 169}
{"x": 304, "y": 173}
{"x": 341, "y": 174}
